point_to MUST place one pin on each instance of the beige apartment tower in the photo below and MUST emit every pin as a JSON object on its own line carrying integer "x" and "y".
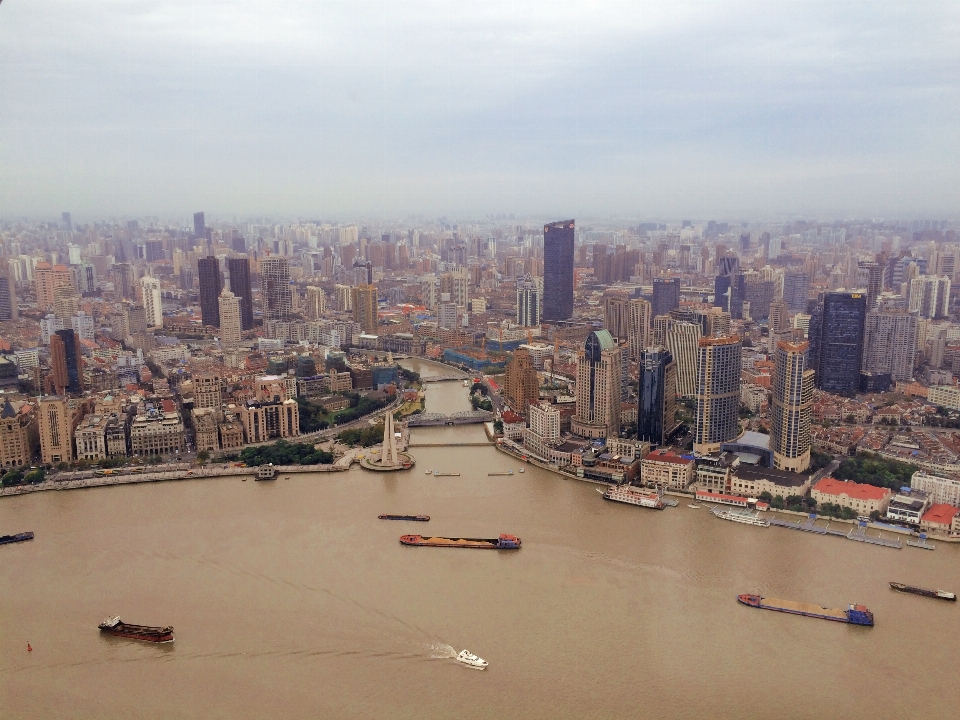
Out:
{"x": 598, "y": 387}
{"x": 792, "y": 407}
{"x": 364, "y": 300}
{"x": 229, "y": 320}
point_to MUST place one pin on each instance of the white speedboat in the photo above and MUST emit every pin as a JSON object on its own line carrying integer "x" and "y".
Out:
{"x": 471, "y": 660}
{"x": 695, "y": 507}
{"x": 429, "y": 472}
{"x": 521, "y": 469}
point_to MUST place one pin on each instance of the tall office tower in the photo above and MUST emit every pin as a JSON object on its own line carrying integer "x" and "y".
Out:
{"x": 930, "y": 295}
{"x": 342, "y": 298}
{"x": 447, "y": 315}
{"x": 211, "y": 285}
{"x": 136, "y": 319}
{"x": 558, "y": 240}
{"x": 428, "y": 290}
{"x": 529, "y": 295}
{"x": 714, "y": 321}
{"x": 638, "y": 330}
{"x": 238, "y": 243}
{"x": 65, "y": 357}
{"x": 598, "y": 387}
{"x": 8, "y": 295}
{"x": 316, "y": 303}
{"x": 457, "y": 284}
{"x": 364, "y": 301}
{"x": 56, "y": 436}
{"x": 521, "y": 386}
{"x": 616, "y": 316}
{"x": 718, "y": 393}
{"x": 796, "y": 290}
{"x": 792, "y": 408}
{"x": 870, "y": 276}
{"x": 275, "y": 287}
{"x": 152, "y": 305}
{"x": 186, "y": 278}
{"x": 890, "y": 344}
{"x": 779, "y": 319}
{"x": 73, "y": 254}
{"x": 199, "y": 225}
{"x": 657, "y": 410}
{"x": 836, "y": 341}
{"x": 230, "y": 319}
{"x": 757, "y": 292}
{"x": 88, "y": 278}
{"x": 67, "y": 221}
{"x": 666, "y": 295}
{"x": 682, "y": 340}
{"x": 152, "y": 252}
{"x": 947, "y": 261}
{"x": 239, "y": 269}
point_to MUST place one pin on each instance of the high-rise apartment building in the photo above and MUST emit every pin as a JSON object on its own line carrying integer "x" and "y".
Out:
{"x": 428, "y": 291}
{"x": 152, "y": 304}
{"x": 56, "y": 434}
{"x": 558, "y": 257}
{"x": 275, "y": 287}
{"x": 211, "y": 285}
{"x": 239, "y": 269}
{"x": 616, "y": 316}
{"x": 792, "y": 408}
{"x": 598, "y": 387}
{"x": 8, "y": 295}
{"x": 638, "y": 329}
{"x": 521, "y": 386}
{"x": 718, "y": 393}
{"x": 447, "y": 315}
{"x": 666, "y": 295}
{"x": 657, "y": 411}
{"x": 316, "y": 304}
{"x": 456, "y": 284}
{"x": 342, "y": 298}
{"x": 529, "y": 296}
{"x": 230, "y": 323}
{"x": 682, "y": 340}
{"x": 796, "y": 290}
{"x": 364, "y": 301}
{"x": 890, "y": 344}
{"x": 870, "y": 276}
{"x": 836, "y": 341}
{"x": 47, "y": 279}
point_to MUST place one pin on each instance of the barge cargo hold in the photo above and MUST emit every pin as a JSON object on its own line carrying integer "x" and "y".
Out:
{"x": 19, "y": 537}
{"x": 504, "y": 542}
{"x": 415, "y": 518}
{"x": 116, "y": 626}
{"x": 938, "y": 594}
{"x": 854, "y": 614}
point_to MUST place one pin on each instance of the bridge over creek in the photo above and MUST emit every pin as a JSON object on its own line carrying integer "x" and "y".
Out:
{"x": 466, "y": 417}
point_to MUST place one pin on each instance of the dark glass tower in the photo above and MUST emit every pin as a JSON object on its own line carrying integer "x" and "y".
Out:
{"x": 836, "y": 341}
{"x": 199, "y": 225}
{"x": 558, "y": 241}
{"x": 211, "y": 285}
{"x": 71, "y": 347}
{"x": 656, "y": 414}
{"x": 666, "y": 295}
{"x": 239, "y": 269}
{"x": 796, "y": 291}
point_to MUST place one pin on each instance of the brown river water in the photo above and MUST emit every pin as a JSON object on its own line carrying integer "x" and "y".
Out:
{"x": 290, "y": 599}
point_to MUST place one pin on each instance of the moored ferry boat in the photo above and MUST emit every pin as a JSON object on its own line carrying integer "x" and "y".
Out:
{"x": 630, "y": 495}
{"x": 116, "y": 626}
{"x": 504, "y": 542}
{"x": 854, "y": 614}
{"x": 18, "y": 537}
{"x": 938, "y": 594}
{"x": 742, "y": 516}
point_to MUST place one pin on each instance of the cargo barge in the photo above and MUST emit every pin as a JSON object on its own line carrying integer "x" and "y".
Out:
{"x": 504, "y": 542}
{"x": 938, "y": 594}
{"x": 116, "y": 626}
{"x": 415, "y": 518}
{"x": 652, "y": 499}
{"x": 854, "y": 614}
{"x": 19, "y": 537}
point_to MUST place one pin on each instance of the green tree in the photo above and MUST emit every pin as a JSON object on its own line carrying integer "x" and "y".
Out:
{"x": 498, "y": 426}
{"x": 286, "y": 453}
{"x": 203, "y": 456}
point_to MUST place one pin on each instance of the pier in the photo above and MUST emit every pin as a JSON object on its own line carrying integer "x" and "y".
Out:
{"x": 858, "y": 534}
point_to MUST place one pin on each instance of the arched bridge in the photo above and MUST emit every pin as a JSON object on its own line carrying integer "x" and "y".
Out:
{"x": 467, "y": 417}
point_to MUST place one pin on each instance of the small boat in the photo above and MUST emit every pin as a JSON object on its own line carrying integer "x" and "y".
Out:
{"x": 695, "y": 507}
{"x": 416, "y": 518}
{"x": 471, "y": 660}
{"x": 938, "y": 594}
{"x": 742, "y": 516}
{"x": 429, "y": 472}
{"x": 116, "y": 626}
{"x": 19, "y": 537}
{"x": 521, "y": 469}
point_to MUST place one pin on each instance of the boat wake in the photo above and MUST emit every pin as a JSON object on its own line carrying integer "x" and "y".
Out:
{"x": 442, "y": 651}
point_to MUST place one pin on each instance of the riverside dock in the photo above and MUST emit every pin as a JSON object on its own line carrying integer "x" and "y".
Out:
{"x": 858, "y": 534}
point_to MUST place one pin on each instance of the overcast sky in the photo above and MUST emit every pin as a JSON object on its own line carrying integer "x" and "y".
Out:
{"x": 323, "y": 109}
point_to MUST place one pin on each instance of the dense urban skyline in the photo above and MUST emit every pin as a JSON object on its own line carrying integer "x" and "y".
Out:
{"x": 651, "y": 109}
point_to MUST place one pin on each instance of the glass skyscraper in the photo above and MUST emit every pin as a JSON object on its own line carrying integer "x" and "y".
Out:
{"x": 558, "y": 241}
{"x": 657, "y": 411}
{"x": 836, "y": 341}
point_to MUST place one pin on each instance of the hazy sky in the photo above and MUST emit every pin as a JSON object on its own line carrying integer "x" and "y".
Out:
{"x": 322, "y": 109}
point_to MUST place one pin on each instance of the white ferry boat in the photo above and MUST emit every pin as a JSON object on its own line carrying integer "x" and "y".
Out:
{"x": 635, "y": 496}
{"x": 471, "y": 660}
{"x": 742, "y": 516}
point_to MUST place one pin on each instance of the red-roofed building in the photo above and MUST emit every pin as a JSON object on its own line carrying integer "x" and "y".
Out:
{"x": 864, "y": 499}
{"x": 513, "y": 425}
{"x": 666, "y": 468}
{"x": 939, "y": 518}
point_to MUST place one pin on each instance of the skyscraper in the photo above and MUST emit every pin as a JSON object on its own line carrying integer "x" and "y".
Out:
{"x": 616, "y": 316}
{"x": 666, "y": 295}
{"x": 521, "y": 386}
{"x": 598, "y": 387}
{"x": 682, "y": 339}
{"x": 792, "y": 408}
{"x": 558, "y": 256}
{"x": 239, "y": 269}
{"x": 211, "y": 285}
{"x": 65, "y": 361}
{"x": 638, "y": 330}
{"x": 56, "y": 435}
{"x": 229, "y": 310}
{"x": 275, "y": 286}
{"x": 870, "y": 276}
{"x": 364, "y": 300}
{"x": 718, "y": 393}
{"x": 796, "y": 290}
{"x": 529, "y": 296}
{"x": 836, "y": 341}
{"x": 316, "y": 303}
{"x": 152, "y": 304}
{"x": 890, "y": 344}
{"x": 8, "y": 296}
{"x": 657, "y": 411}
{"x": 199, "y": 225}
